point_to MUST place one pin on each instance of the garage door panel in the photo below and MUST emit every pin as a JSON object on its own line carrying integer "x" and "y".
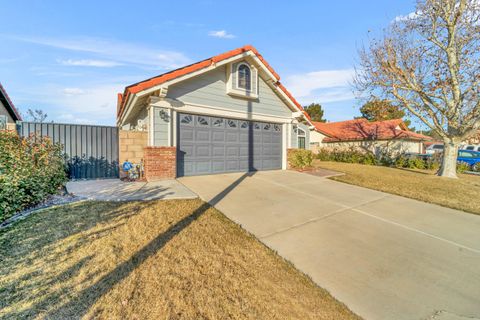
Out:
{"x": 213, "y": 145}
{"x": 218, "y": 136}
{"x": 202, "y": 135}
{"x": 218, "y": 166}
{"x": 218, "y": 150}
{"x": 243, "y": 164}
{"x": 232, "y": 165}
{"x": 232, "y": 136}
{"x": 188, "y": 151}
{"x": 187, "y": 167}
{"x": 202, "y": 167}
{"x": 243, "y": 137}
{"x": 243, "y": 151}
{"x": 232, "y": 151}
{"x": 187, "y": 134}
{"x": 202, "y": 151}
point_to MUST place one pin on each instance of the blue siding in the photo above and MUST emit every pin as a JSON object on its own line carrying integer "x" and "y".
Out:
{"x": 210, "y": 89}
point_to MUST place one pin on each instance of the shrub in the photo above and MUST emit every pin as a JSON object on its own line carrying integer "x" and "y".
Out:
{"x": 462, "y": 167}
{"x": 30, "y": 169}
{"x": 346, "y": 155}
{"x": 401, "y": 162}
{"x": 383, "y": 158}
{"x": 300, "y": 158}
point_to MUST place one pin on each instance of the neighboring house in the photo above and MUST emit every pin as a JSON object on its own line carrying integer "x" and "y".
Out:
{"x": 228, "y": 113}
{"x": 391, "y": 136}
{"x": 8, "y": 114}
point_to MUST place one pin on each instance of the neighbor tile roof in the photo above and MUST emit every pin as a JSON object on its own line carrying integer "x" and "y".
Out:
{"x": 9, "y": 103}
{"x": 362, "y": 129}
{"x": 149, "y": 83}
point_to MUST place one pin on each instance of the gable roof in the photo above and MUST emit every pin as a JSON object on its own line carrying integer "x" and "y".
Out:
{"x": 177, "y": 73}
{"x": 362, "y": 129}
{"x": 5, "y": 99}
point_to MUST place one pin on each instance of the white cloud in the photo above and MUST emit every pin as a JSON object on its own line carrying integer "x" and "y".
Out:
{"x": 321, "y": 86}
{"x": 221, "y": 34}
{"x": 89, "y": 63}
{"x": 72, "y": 91}
{"x": 117, "y": 51}
{"x": 410, "y": 16}
{"x": 92, "y": 103}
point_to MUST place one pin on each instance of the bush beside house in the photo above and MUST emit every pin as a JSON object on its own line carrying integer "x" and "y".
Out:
{"x": 300, "y": 158}
{"x": 353, "y": 155}
{"x": 30, "y": 169}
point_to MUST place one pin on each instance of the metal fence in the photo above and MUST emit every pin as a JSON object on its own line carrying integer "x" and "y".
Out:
{"x": 91, "y": 152}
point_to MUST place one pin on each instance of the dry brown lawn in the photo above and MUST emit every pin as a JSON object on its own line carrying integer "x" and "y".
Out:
{"x": 149, "y": 260}
{"x": 422, "y": 185}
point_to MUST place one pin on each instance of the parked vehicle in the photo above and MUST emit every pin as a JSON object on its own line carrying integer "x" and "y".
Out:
{"x": 472, "y": 158}
{"x": 471, "y": 147}
{"x": 434, "y": 148}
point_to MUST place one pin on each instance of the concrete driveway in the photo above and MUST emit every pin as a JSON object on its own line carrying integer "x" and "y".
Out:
{"x": 117, "y": 190}
{"x": 386, "y": 257}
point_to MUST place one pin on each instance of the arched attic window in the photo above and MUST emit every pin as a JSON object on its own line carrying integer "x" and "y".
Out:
{"x": 244, "y": 77}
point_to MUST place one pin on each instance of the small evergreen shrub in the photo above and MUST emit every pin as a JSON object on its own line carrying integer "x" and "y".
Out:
{"x": 300, "y": 158}
{"x": 30, "y": 169}
{"x": 462, "y": 167}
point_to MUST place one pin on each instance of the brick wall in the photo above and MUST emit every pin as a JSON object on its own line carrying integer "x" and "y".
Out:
{"x": 160, "y": 163}
{"x": 131, "y": 145}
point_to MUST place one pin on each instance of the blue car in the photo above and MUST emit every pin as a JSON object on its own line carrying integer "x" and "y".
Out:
{"x": 472, "y": 158}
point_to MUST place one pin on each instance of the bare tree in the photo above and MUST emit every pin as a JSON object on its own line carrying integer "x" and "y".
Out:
{"x": 429, "y": 63}
{"x": 37, "y": 115}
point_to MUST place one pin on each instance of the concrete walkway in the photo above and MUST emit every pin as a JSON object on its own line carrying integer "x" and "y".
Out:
{"x": 386, "y": 257}
{"x": 117, "y": 190}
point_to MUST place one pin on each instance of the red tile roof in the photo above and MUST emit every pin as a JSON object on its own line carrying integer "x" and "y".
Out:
{"x": 149, "y": 83}
{"x": 361, "y": 129}
{"x": 9, "y": 103}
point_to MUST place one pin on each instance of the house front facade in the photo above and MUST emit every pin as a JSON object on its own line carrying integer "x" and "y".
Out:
{"x": 380, "y": 137}
{"x": 228, "y": 113}
{"x": 8, "y": 113}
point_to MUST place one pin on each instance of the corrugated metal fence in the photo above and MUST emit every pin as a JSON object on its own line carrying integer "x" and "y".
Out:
{"x": 91, "y": 151}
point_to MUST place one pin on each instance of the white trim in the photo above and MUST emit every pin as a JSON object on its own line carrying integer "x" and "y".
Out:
{"x": 235, "y": 90}
{"x": 289, "y": 135}
{"x": 151, "y": 129}
{"x": 264, "y": 67}
{"x": 127, "y": 111}
{"x": 170, "y": 128}
{"x": 274, "y": 84}
{"x": 195, "y": 73}
{"x": 174, "y": 127}
{"x": 169, "y": 131}
{"x": 211, "y": 111}
{"x": 299, "y": 132}
{"x": 284, "y": 146}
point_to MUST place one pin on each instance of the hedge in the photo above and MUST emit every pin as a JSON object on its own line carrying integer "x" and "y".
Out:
{"x": 353, "y": 155}
{"x": 31, "y": 169}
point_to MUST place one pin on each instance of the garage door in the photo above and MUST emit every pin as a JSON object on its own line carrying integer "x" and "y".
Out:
{"x": 208, "y": 145}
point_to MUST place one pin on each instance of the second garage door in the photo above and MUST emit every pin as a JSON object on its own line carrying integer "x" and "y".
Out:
{"x": 208, "y": 145}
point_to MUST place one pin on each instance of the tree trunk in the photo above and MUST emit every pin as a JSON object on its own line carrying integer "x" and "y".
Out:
{"x": 448, "y": 168}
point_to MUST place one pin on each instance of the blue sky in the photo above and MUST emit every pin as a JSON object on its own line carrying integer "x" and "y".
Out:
{"x": 71, "y": 58}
